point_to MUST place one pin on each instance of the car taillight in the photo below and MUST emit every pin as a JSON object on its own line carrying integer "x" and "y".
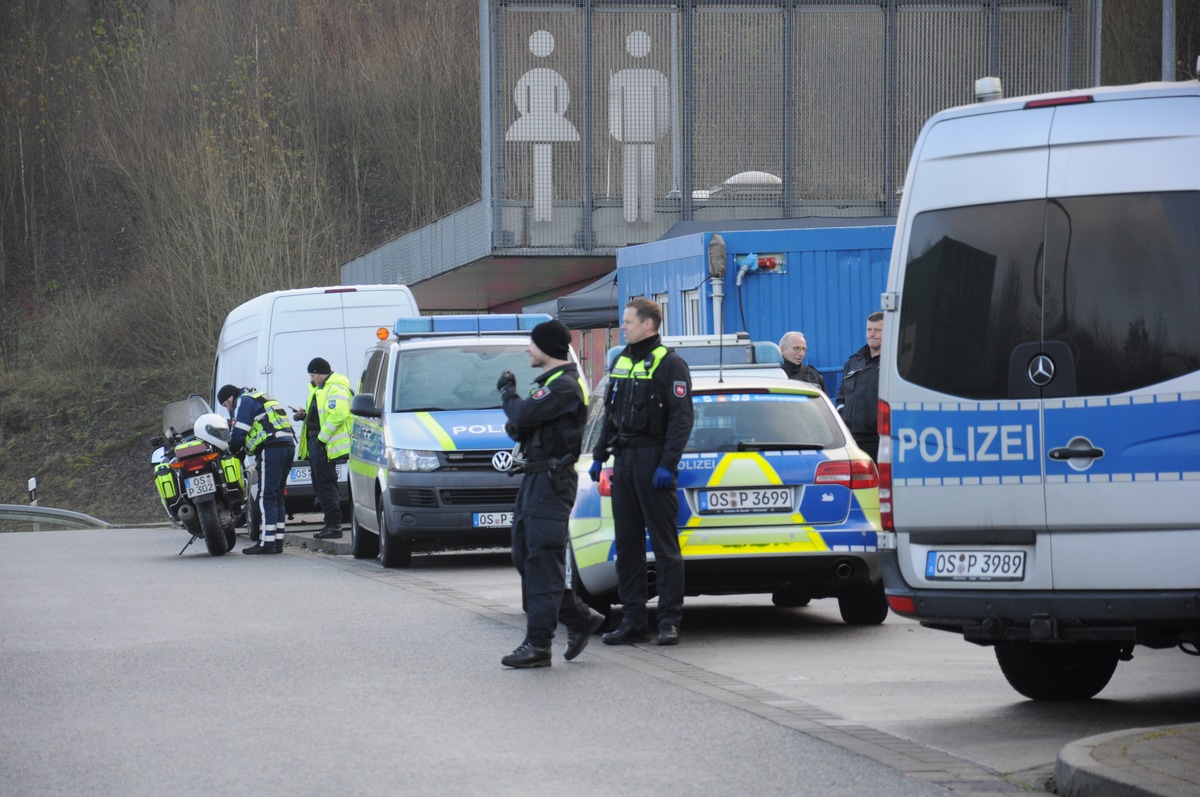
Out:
{"x": 854, "y": 474}
{"x": 606, "y": 482}
{"x": 885, "y": 467}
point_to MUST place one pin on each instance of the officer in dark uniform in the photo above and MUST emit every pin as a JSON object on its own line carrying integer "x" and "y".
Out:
{"x": 647, "y": 420}
{"x": 549, "y": 426}
{"x": 858, "y": 397}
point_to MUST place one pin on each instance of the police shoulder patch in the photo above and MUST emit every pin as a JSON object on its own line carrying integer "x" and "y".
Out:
{"x": 332, "y": 403}
{"x": 681, "y": 389}
{"x": 540, "y": 393}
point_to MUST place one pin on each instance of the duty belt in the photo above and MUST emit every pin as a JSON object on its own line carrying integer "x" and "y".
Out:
{"x": 541, "y": 465}
{"x": 636, "y": 441}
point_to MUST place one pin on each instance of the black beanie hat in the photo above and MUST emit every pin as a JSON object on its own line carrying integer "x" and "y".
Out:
{"x": 227, "y": 392}
{"x": 319, "y": 365}
{"x": 553, "y": 338}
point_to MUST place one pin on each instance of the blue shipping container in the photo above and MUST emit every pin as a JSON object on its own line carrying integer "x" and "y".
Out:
{"x": 826, "y": 282}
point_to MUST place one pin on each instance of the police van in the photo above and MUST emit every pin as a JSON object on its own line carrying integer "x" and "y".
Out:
{"x": 268, "y": 341}
{"x": 1040, "y": 382}
{"x": 429, "y": 456}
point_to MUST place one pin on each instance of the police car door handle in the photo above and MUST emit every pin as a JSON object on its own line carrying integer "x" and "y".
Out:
{"x": 1076, "y": 453}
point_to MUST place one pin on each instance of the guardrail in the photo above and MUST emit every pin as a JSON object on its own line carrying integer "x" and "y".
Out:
{"x": 50, "y": 516}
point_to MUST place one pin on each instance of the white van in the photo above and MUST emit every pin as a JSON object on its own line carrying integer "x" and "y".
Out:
{"x": 268, "y": 342}
{"x": 1040, "y": 382}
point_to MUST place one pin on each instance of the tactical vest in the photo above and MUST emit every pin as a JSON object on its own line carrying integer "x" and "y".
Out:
{"x": 270, "y": 424}
{"x": 634, "y": 399}
{"x": 562, "y": 439}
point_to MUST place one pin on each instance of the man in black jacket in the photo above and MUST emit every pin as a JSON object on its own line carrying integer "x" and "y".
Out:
{"x": 647, "y": 420}
{"x": 549, "y": 426}
{"x": 794, "y": 347}
{"x": 858, "y": 397}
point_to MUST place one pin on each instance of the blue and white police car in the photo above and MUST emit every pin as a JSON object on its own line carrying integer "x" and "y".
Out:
{"x": 774, "y": 496}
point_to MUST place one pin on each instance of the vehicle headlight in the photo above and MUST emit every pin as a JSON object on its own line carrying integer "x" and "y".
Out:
{"x": 407, "y": 459}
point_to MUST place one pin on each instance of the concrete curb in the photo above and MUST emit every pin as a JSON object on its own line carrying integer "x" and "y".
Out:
{"x": 1140, "y": 762}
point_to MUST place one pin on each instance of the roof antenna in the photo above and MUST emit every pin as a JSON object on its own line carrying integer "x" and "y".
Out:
{"x": 716, "y": 270}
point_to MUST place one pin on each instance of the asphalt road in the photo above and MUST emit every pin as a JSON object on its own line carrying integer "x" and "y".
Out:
{"x": 127, "y": 669}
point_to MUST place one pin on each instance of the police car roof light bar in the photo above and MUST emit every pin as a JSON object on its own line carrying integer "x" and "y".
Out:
{"x": 484, "y": 324}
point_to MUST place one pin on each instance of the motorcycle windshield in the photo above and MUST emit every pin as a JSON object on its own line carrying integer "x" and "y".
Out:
{"x": 180, "y": 416}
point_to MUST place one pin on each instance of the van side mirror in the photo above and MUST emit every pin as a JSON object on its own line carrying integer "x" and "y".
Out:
{"x": 363, "y": 405}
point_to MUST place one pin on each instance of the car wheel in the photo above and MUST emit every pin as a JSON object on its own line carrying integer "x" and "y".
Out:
{"x": 393, "y": 552}
{"x": 363, "y": 544}
{"x": 863, "y": 605}
{"x": 1050, "y": 671}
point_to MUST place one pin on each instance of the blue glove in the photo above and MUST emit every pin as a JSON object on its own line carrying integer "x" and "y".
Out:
{"x": 663, "y": 479}
{"x": 594, "y": 471}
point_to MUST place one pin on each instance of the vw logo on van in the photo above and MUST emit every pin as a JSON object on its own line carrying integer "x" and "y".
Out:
{"x": 502, "y": 461}
{"x": 1041, "y": 370}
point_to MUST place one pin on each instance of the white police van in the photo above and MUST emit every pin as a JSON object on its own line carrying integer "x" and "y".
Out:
{"x": 429, "y": 456}
{"x": 1040, "y": 382}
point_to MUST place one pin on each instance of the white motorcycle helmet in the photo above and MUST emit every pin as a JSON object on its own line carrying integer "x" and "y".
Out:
{"x": 212, "y": 429}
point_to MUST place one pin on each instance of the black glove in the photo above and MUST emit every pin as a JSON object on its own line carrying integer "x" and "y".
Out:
{"x": 506, "y": 381}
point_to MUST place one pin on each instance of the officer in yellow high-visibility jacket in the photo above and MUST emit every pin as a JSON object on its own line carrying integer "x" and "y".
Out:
{"x": 326, "y": 439}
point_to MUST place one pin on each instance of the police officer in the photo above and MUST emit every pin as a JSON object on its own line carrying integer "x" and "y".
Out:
{"x": 647, "y": 420}
{"x": 261, "y": 427}
{"x": 549, "y": 426}
{"x": 858, "y": 397}
{"x": 326, "y": 439}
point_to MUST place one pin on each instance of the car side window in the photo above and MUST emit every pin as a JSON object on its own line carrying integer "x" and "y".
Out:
{"x": 370, "y": 373}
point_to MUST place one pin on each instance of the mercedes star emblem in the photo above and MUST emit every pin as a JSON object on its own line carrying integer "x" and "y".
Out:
{"x": 1041, "y": 370}
{"x": 502, "y": 461}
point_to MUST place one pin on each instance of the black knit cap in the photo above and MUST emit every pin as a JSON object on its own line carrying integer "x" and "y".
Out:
{"x": 319, "y": 365}
{"x": 227, "y": 392}
{"x": 553, "y": 338}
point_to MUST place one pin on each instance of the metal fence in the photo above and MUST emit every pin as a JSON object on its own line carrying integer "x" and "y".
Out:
{"x": 608, "y": 121}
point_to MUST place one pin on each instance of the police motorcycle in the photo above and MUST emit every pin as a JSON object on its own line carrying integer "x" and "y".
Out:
{"x": 199, "y": 481}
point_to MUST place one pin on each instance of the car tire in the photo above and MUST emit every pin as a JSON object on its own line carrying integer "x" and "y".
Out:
{"x": 393, "y": 551}
{"x": 363, "y": 544}
{"x": 1049, "y": 671}
{"x": 863, "y": 605}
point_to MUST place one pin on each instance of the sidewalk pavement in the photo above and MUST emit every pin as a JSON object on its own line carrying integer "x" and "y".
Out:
{"x": 1144, "y": 762}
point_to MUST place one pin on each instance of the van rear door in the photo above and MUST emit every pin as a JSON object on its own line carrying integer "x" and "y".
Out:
{"x": 1046, "y": 344}
{"x": 966, "y": 453}
{"x": 1122, "y": 288}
